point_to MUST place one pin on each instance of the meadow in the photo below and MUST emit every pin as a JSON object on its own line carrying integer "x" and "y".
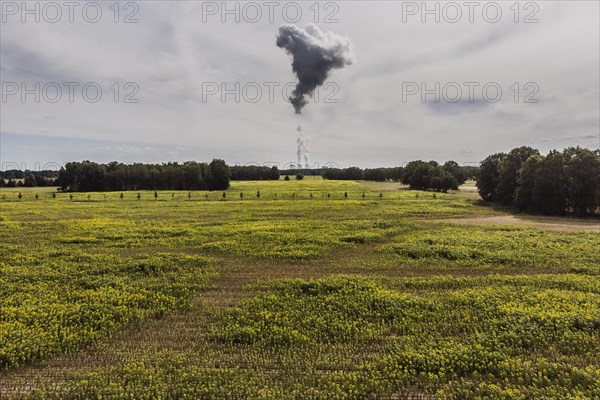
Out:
{"x": 291, "y": 290}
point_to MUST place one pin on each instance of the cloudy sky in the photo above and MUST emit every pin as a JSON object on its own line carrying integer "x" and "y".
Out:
{"x": 169, "y": 74}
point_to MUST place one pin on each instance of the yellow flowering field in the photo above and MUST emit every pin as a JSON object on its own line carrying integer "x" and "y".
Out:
{"x": 287, "y": 290}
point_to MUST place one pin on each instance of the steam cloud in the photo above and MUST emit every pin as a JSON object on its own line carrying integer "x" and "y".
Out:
{"x": 302, "y": 151}
{"x": 314, "y": 54}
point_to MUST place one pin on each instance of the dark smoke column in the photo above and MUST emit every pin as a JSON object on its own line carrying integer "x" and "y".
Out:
{"x": 314, "y": 54}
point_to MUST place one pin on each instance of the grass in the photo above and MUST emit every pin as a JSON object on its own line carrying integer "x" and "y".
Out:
{"x": 300, "y": 292}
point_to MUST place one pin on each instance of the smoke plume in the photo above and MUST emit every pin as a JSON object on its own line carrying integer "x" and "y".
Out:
{"x": 314, "y": 54}
{"x": 302, "y": 151}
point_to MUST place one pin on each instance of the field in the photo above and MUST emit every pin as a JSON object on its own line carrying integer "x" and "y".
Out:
{"x": 292, "y": 290}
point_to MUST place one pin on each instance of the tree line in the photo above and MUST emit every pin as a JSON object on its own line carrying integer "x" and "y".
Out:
{"x": 191, "y": 175}
{"x": 30, "y": 180}
{"x": 88, "y": 176}
{"x": 27, "y": 178}
{"x": 558, "y": 183}
{"x": 421, "y": 175}
{"x": 254, "y": 173}
{"x": 431, "y": 175}
{"x": 91, "y": 176}
{"x": 367, "y": 174}
{"x": 22, "y": 174}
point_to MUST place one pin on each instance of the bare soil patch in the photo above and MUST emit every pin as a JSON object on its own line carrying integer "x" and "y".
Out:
{"x": 386, "y": 185}
{"x": 558, "y": 224}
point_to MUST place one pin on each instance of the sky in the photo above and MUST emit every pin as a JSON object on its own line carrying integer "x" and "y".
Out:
{"x": 159, "y": 81}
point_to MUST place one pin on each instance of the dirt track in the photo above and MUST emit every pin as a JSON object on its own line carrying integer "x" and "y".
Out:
{"x": 559, "y": 224}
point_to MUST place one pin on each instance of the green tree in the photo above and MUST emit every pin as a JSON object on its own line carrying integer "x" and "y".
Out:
{"x": 582, "y": 175}
{"x": 441, "y": 180}
{"x": 417, "y": 174}
{"x": 528, "y": 176}
{"x": 509, "y": 173}
{"x": 489, "y": 176}
{"x": 448, "y": 181}
{"x": 456, "y": 171}
{"x": 549, "y": 191}
{"x": 435, "y": 183}
{"x": 219, "y": 175}
{"x": 30, "y": 181}
{"x": 82, "y": 176}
